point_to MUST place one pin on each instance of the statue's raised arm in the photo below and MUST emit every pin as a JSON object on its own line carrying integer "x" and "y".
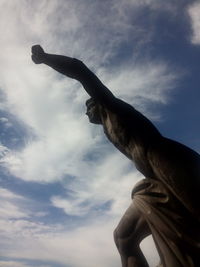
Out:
{"x": 75, "y": 69}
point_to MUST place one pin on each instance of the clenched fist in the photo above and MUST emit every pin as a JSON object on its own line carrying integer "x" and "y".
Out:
{"x": 38, "y": 54}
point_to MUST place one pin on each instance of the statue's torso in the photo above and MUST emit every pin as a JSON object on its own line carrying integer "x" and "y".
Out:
{"x": 155, "y": 156}
{"x": 120, "y": 132}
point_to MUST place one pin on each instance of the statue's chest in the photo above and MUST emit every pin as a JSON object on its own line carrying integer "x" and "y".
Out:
{"x": 130, "y": 141}
{"x": 113, "y": 129}
{"x": 116, "y": 132}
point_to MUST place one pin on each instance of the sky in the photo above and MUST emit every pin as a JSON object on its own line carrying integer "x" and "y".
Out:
{"x": 63, "y": 186}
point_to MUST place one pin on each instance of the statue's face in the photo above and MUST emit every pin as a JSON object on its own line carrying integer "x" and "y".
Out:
{"x": 93, "y": 112}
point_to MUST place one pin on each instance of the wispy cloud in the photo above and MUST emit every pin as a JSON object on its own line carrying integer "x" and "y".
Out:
{"x": 62, "y": 246}
{"x": 103, "y": 185}
{"x": 193, "y": 11}
{"x": 8, "y": 206}
{"x": 54, "y": 112}
{"x": 53, "y": 107}
{"x": 23, "y": 238}
{"x": 62, "y": 145}
{"x": 34, "y": 241}
{"x": 13, "y": 263}
{"x": 3, "y": 150}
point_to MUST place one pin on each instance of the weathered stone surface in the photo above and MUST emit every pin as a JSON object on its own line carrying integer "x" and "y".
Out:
{"x": 166, "y": 203}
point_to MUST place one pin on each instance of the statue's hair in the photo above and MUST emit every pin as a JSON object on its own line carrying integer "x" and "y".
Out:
{"x": 89, "y": 102}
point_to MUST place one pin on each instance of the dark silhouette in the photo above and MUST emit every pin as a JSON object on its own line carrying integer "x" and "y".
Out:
{"x": 166, "y": 203}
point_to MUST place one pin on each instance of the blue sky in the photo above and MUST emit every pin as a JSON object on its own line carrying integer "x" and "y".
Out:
{"x": 63, "y": 186}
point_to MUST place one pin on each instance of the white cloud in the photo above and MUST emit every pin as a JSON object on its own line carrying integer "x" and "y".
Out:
{"x": 3, "y": 119}
{"x": 3, "y": 150}
{"x": 13, "y": 263}
{"x": 55, "y": 113}
{"x": 6, "y": 194}
{"x": 65, "y": 144}
{"x": 9, "y": 208}
{"x": 102, "y": 185}
{"x": 23, "y": 238}
{"x": 63, "y": 247}
{"x": 193, "y": 11}
{"x": 92, "y": 243}
{"x": 151, "y": 81}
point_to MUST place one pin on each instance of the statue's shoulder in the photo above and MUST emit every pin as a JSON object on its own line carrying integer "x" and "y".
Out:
{"x": 118, "y": 107}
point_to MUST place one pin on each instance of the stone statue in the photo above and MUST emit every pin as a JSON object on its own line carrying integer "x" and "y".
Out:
{"x": 165, "y": 203}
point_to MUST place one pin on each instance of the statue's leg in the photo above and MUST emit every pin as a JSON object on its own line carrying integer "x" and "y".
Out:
{"x": 131, "y": 230}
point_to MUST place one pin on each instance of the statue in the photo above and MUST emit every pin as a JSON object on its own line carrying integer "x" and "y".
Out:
{"x": 166, "y": 202}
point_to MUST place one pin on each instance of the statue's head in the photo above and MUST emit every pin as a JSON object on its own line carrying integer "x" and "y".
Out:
{"x": 93, "y": 111}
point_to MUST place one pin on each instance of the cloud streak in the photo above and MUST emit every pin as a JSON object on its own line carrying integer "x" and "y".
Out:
{"x": 193, "y": 11}
{"x": 62, "y": 146}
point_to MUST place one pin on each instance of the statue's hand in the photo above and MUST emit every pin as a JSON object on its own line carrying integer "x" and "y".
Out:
{"x": 38, "y": 54}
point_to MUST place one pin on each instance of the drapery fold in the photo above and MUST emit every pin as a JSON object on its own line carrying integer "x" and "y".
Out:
{"x": 174, "y": 229}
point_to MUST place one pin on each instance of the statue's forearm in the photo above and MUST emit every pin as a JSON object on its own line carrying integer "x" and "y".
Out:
{"x": 62, "y": 64}
{"x": 76, "y": 69}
